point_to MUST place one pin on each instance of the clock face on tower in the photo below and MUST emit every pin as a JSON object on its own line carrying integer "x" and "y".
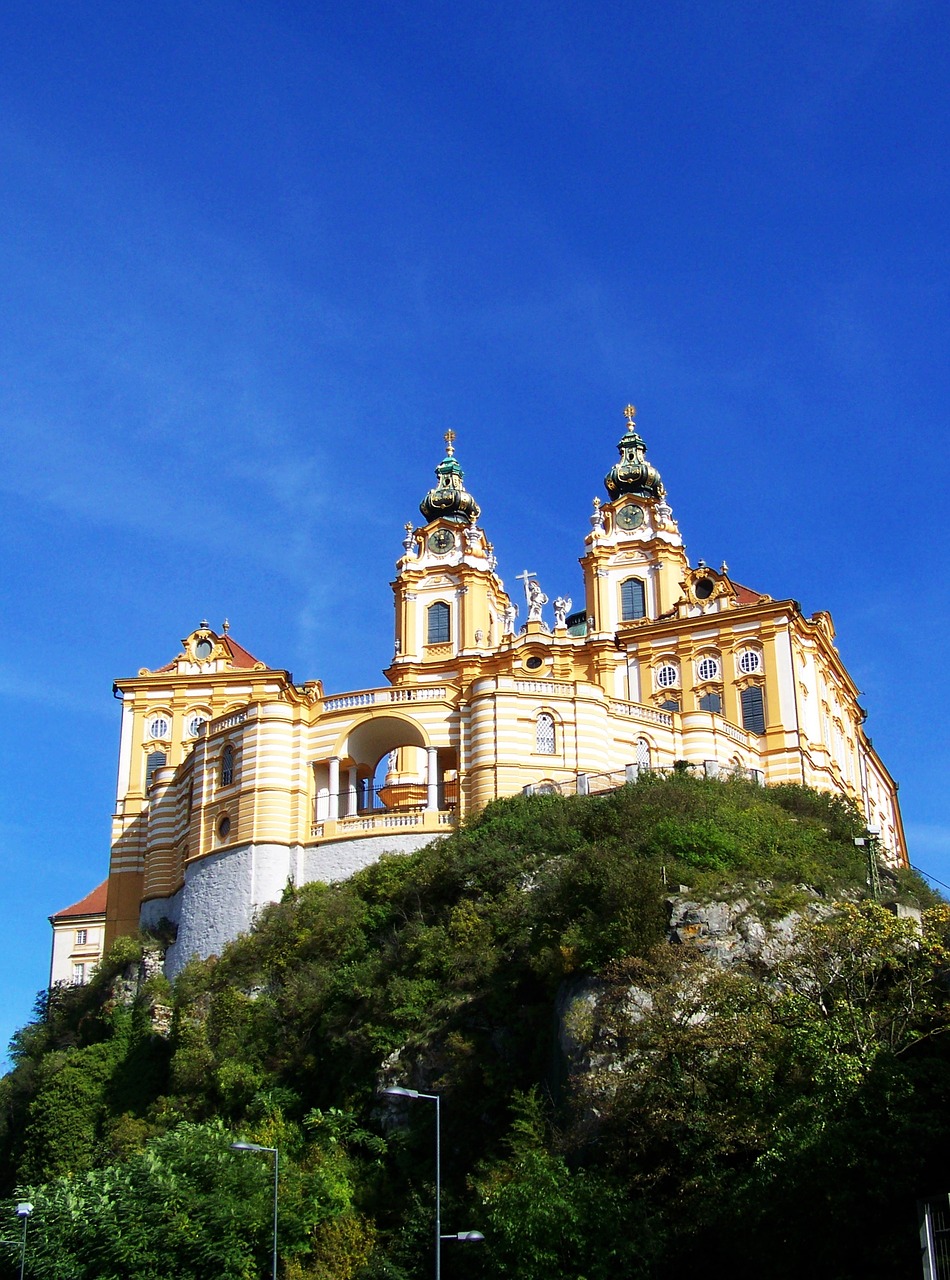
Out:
{"x": 630, "y": 517}
{"x": 441, "y": 541}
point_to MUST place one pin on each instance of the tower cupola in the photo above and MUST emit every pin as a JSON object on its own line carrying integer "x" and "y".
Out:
{"x": 449, "y": 499}
{"x": 633, "y": 474}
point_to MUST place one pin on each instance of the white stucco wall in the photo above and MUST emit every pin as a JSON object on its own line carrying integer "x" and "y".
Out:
{"x": 223, "y": 893}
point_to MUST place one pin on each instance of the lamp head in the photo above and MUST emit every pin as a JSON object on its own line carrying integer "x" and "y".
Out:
{"x": 24, "y": 1209}
{"x": 398, "y": 1092}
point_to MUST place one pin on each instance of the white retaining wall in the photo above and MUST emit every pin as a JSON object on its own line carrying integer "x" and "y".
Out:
{"x": 224, "y": 892}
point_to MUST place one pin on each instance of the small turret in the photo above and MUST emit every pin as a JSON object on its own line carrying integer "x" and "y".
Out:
{"x": 449, "y": 500}
{"x": 633, "y": 474}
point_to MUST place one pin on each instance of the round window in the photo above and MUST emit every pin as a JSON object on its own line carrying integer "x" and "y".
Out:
{"x": 666, "y": 676}
{"x": 158, "y": 727}
{"x": 204, "y": 648}
{"x": 224, "y": 827}
{"x": 749, "y": 662}
{"x": 703, "y": 588}
{"x": 194, "y": 725}
{"x": 533, "y": 662}
{"x": 708, "y": 669}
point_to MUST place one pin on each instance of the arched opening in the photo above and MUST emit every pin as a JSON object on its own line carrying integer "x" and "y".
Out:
{"x": 385, "y": 765}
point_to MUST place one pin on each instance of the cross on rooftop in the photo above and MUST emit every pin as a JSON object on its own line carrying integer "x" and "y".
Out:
{"x": 630, "y": 413}
{"x": 449, "y": 438}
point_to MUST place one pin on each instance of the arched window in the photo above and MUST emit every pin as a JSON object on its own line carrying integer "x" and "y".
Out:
{"x": 643, "y": 753}
{"x": 632, "y": 600}
{"x": 438, "y": 619}
{"x": 227, "y": 766}
{"x": 544, "y": 743}
{"x": 753, "y": 709}
{"x": 155, "y": 761}
{"x": 711, "y": 702}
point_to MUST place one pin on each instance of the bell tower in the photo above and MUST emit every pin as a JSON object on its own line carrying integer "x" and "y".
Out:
{"x": 635, "y": 561}
{"x": 450, "y": 603}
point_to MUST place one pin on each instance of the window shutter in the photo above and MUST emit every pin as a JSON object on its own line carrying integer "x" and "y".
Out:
{"x": 437, "y": 631}
{"x": 753, "y": 709}
{"x": 155, "y": 761}
{"x": 632, "y": 600}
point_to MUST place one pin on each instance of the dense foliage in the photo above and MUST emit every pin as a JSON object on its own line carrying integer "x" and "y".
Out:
{"x": 734, "y": 1120}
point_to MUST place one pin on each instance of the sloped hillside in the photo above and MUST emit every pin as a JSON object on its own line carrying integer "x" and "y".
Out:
{"x": 669, "y": 1031}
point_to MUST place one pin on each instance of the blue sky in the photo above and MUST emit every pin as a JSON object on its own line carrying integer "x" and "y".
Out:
{"x": 255, "y": 259}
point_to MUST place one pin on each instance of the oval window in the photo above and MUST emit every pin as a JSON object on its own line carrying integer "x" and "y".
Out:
{"x": 534, "y": 662}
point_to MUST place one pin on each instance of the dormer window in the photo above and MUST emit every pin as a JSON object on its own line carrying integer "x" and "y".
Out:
{"x": 438, "y": 623}
{"x": 204, "y": 648}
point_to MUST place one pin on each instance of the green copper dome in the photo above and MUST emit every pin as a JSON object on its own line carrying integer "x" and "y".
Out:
{"x": 633, "y": 474}
{"x": 449, "y": 500}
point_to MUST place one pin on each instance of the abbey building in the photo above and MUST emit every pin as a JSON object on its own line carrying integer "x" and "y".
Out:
{"x": 234, "y": 779}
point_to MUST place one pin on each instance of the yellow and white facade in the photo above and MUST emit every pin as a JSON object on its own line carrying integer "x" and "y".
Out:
{"x": 234, "y": 779}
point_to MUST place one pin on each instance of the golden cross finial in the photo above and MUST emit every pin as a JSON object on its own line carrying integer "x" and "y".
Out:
{"x": 449, "y": 437}
{"x": 630, "y": 413}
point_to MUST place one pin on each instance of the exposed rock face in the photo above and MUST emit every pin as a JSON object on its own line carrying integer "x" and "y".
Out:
{"x": 731, "y": 933}
{"x": 727, "y": 934}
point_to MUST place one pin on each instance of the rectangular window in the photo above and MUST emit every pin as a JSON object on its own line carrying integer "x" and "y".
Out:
{"x": 79, "y": 975}
{"x": 438, "y": 618}
{"x": 156, "y": 760}
{"x": 711, "y": 702}
{"x": 632, "y": 600}
{"x": 82, "y": 937}
{"x": 544, "y": 743}
{"x": 753, "y": 709}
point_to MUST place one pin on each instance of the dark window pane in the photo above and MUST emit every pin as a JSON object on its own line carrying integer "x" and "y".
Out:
{"x": 438, "y": 623}
{"x": 632, "y": 600}
{"x": 155, "y": 761}
{"x": 753, "y": 709}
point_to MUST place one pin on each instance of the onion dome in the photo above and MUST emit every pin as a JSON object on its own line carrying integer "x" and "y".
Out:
{"x": 633, "y": 474}
{"x": 449, "y": 500}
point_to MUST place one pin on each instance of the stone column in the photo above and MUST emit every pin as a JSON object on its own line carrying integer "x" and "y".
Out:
{"x": 432, "y": 778}
{"x": 351, "y": 792}
{"x": 333, "y": 787}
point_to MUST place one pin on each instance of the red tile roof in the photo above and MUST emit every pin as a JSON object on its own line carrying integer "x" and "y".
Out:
{"x": 239, "y": 656}
{"x": 745, "y": 595}
{"x": 92, "y": 904}
{"x": 237, "y": 653}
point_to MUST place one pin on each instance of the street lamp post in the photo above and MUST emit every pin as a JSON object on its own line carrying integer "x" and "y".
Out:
{"x": 253, "y": 1146}
{"x": 23, "y": 1211}
{"x": 396, "y": 1091}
